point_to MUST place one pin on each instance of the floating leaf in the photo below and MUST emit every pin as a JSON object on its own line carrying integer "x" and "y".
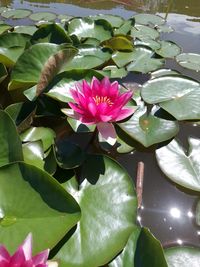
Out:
{"x": 154, "y": 45}
{"x": 149, "y": 19}
{"x": 178, "y": 95}
{"x": 163, "y": 72}
{"x": 63, "y": 18}
{"x": 79, "y": 127}
{"x": 143, "y": 32}
{"x": 11, "y": 148}
{"x": 115, "y": 21}
{"x": 47, "y": 136}
{"x": 95, "y": 242}
{"x": 3, "y": 72}
{"x": 148, "y": 129}
{"x": 37, "y": 65}
{"x": 25, "y": 29}
{"x": 182, "y": 256}
{"x": 189, "y": 60}
{"x": 198, "y": 213}
{"x": 126, "y": 257}
{"x": 4, "y": 28}
{"x": 168, "y": 49}
{"x": 164, "y": 28}
{"x": 120, "y": 43}
{"x": 116, "y": 72}
{"x": 12, "y": 45}
{"x": 50, "y": 33}
{"x": 30, "y": 197}
{"x": 181, "y": 167}
{"x": 15, "y": 13}
{"x": 46, "y": 16}
{"x": 149, "y": 251}
{"x": 125, "y": 28}
{"x": 34, "y": 154}
{"x": 60, "y": 86}
{"x": 85, "y": 27}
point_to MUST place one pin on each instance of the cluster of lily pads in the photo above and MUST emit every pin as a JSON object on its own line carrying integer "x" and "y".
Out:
{"x": 56, "y": 180}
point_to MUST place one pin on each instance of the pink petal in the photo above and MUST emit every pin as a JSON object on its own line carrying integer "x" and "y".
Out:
{"x": 105, "y": 86}
{"x": 114, "y": 90}
{"x": 107, "y": 132}
{"x": 86, "y": 88}
{"x": 124, "y": 98}
{"x": 41, "y": 257}
{"x": 124, "y": 113}
{"x": 4, "y": 255}
{"x": 105, "y": 118}
{"x": 19, "y": 257}
{"x": 95, "y": 86}
{"x": 92, "y": 108}
{"x": 27, "y": 247}
{"x": 76, "y": 108}
{"x": 74, "y": 94}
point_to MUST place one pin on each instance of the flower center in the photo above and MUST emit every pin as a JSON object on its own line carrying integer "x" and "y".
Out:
{"x": 102, "y": 99}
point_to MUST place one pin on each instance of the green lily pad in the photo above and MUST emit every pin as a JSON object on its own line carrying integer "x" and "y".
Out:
{"x": 189, "y": 60}
{"x": 182, "y": 256}
{"x": 178, "y": 95}
{"x": 126, "y": 258}
{"x": 141, "y": 60}
{"x": 25, "y": 29}
{"x": 30, "y": 197}
{"x": 115, "y": 21}
{"x": 46, "y": 135}
{"x": 116, "y": 72}
{"x": 63, "y": 18}
{"x": 12, "y": 45}
{"x": 95, "y": 242}
{"x": 79, "y": 127}
{"x": 168, "y": 49}
{"x": 50, "y": 33}
{"x": 46, "y": 16}
{"x": 148, "y": 129}
{"x": 154, "y": 45}
{"x": 180, "y": 166}
{"x": 15, "y": 13}
{"x": 60, "y": 86}
{"x": 38, "y": 65}
{"x": 143, "y": 32}
{"x": 92, "y": 41}
{"x": 11, "y": 148}
{"x": 120, "y": 43}
{"x": 125, "y": 28}
{"x": 85, "y": 27}
{"x": 198, "y": 213}
{"x": 163, "y": 72}
{"x": 149, "y": 251}
{"x": 164, "y": 28}
{"x": 34, "y": 154}
{"x": 4, "y": 28}
{"x": 149, "y": 19}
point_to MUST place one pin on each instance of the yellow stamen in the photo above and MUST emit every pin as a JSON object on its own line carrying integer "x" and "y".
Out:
{"x": 102, "y": 99}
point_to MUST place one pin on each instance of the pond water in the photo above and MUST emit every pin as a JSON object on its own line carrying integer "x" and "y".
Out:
{"x": 167, "y": 210}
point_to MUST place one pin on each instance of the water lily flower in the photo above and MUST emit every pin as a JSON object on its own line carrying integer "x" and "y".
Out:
{"x": 100, "y": 103}
{"x": 23, "y": 256}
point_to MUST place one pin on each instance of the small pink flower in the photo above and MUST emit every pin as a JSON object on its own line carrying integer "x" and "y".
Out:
{"x": 100, "y": 103}
{"x": 23, "y": 256}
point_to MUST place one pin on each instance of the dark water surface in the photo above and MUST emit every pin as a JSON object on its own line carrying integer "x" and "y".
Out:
{"x": 167, "y": 210}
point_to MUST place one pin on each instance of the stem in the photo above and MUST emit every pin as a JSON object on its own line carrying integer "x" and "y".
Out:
{"x": 140, "y": 180}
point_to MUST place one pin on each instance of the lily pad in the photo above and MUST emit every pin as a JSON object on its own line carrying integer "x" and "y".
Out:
{"x": 189, "y": 60}
{"x": 143, "y": 32}
{"x": 4, "y": 28}
{"x": 30, "y": 197}
{"x": 149, "y": 251}
{"x": 180, "y": 166}
{"x": 126, "y": 257}
{"x": 154, "y": 45}
{"x": 51, "y": 33}
{"x": 164, "y": 28}
{"x": 12, "y": 45}
{"x": 11, "y": 147}
{"x": 120, "y": 43}
{"x": 168, "y": 49}
{"x": 163, "y": 72}
{"x": 178, "y": 95}
{"x": 182, "y": 256}
{"x": 95, "y": 242}
{"x": 149, "y": 19}
{"x": 60, "y": 86}
{"x": 115, "y": 21}
{"x": 79, "y": 127}
{"x": 25, "y": 29}
{"x": 15, "y": 13}
{"x": 46, "y": 16}
{"x": 46, "y": 135}
{"x": 148, "y": 129}
{"x": 3, "y": 72}
{"x": 116, "y": 72}
{"x": 38, "y": 65}
{"x": 85, "y": 27}
{"x": 125, "y": 28}
{"x": 34, "y": 154}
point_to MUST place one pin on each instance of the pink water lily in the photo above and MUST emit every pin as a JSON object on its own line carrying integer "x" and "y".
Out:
{"x": 100, "y": 103}
{"x": 23, "y": 256}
